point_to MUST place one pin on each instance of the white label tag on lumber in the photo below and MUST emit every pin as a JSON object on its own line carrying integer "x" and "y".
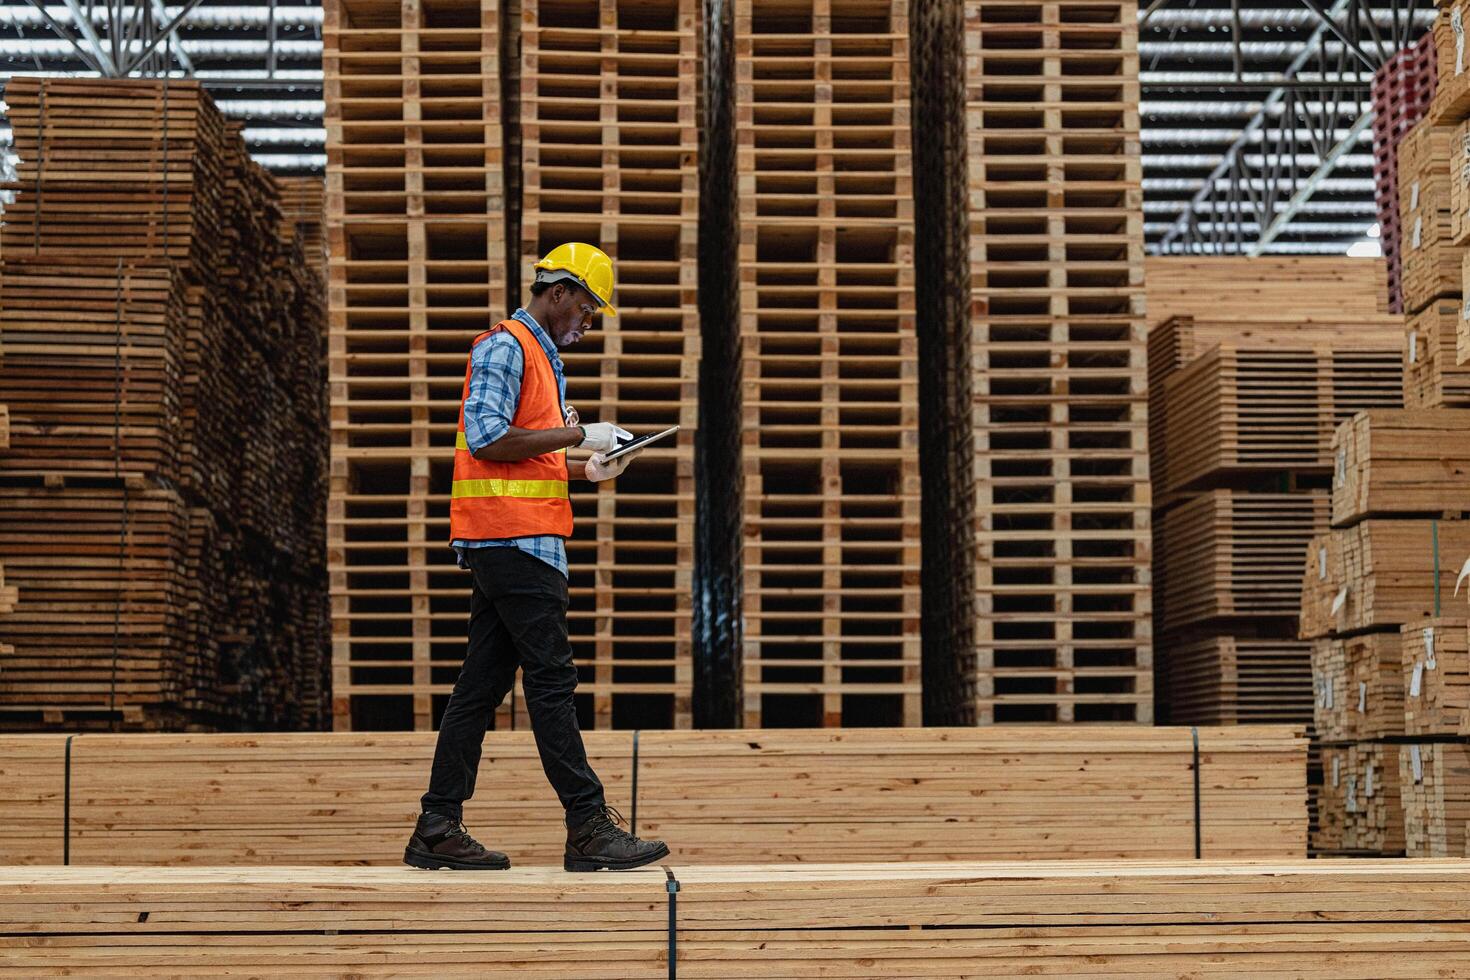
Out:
{"x": 1413, "y": 195}
{"x": 1336, "y": 772}
{"x": 1417, "y": 681}
{"x": 1429, "y": 648}
{"x": 1464, "y": 571}
{"x": 1352, "y": 794}
{"x": 1368, "y": 784}
{"x": 1341, "y": 479}
{"x": 1465, "y": 310}
{"x": 1413, "y": 346}
{"x": 1458, "y": 27}
{"x": 1321, "y": 562}
{"x": 1327, "y": 694}
{"x": 1362, "y": 697}
{"x": 1339, "y": 600}
{"x": 1418, "y": 232}
{"x": 1418, "y": 763}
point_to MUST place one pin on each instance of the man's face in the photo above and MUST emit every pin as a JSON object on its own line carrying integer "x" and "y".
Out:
{"x": 572, "y": 311}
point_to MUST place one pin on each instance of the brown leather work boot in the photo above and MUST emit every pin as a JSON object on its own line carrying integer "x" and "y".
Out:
{"x": 442, "y": 842}
{"x": 600, "y": 844}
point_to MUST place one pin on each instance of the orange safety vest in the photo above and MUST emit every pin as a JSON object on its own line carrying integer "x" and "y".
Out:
{"x": 529, "y": 496}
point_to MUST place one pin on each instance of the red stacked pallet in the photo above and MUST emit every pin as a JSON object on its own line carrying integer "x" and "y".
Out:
{"x": 1402, "y": 90}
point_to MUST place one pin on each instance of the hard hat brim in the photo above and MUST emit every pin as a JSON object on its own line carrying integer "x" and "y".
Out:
{"x": 542, "y": 266}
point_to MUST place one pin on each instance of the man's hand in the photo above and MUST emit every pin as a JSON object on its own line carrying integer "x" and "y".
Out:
{"x": 599, "y": 469}
{"x": 603, "y": 437}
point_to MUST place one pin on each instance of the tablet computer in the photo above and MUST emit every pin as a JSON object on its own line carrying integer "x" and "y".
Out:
{"x": 640, "y": 442}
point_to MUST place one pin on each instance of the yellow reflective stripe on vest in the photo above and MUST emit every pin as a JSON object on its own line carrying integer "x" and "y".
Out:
{"x": 509, "y": 488}
{"x": 460, "y": 442}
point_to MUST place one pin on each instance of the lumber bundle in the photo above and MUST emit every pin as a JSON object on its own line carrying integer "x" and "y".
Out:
{"x": 417, "y": 268}
{"x": 1308, "y": 919}
{"x": 1057, "y": 452}
{"x": 829, "y": 364}
{"x": 1236, "y": 680}
{"x": 1401, "y": 463}
{"x": 1238, "y": 411}
{"x": 1451, "y": 101}
{"x": 1435, "y": 781}
{"x": 1402, "y": 88}
{"x": 1358, "y": 687}
{"x": 1235, "y": 287}
{"x": 1432, "y": 378}
{"x": 999, "y": 792}
{"x": 303, "y": 210}
{"x": 1359, "y": 811}
{"x": 1434, "y": 676}
{"x": 163, "y": 499}
{"x": 1228, "y": 555}
{"x": 1380, "y": 574}
{"x": 609, "y": 155}
{"x": 1431, "y": 259}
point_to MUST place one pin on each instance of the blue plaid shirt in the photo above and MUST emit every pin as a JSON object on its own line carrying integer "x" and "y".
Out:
{"x": 496, "y": 366}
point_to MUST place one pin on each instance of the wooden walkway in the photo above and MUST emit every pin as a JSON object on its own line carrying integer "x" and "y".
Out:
{"x": 1082, "y": 919}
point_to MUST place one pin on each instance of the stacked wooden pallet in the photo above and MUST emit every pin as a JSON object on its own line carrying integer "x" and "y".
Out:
{"x": 1241, "y": 415}
{"x": 609, "y": 156}
{"x": 1057, "y": 443}
{"x": 417, "y": 268}
{"x": 829, "y": 364}
{"x": 717, "y": 796}
{"x": 1072, "y": 919}
{"x": 1402, "y": 88}
{"x": 166, "y": 513}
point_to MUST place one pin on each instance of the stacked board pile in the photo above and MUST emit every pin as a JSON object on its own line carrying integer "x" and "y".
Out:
{"x": 1093, "y": 919}
{"x": 1237, "y": 287}
{"x": 829, "y": 364}
{"x": 609, "y": 154}
{"x": 1371, "y": 587}
{"x": 1434, "y": 763}
{"x": 1045, "y": 597}
{"x": 303, "y": 210}
{"x": 745, "y": 796}
{"x": 417, "y": 269}
{"x": 1402, "y": 88}
{"x": 162, "y": 502}
{"x": 1241, "y": 415}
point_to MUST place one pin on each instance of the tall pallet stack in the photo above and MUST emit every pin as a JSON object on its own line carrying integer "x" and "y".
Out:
{"x": 1402, "y": 89}
{"x": 609, "y": 155}
{"x": 1241, "y": 414}
{"x": 162, "y": 501}
{"x": 1370, "y": 588}
{"x": 1059, "y": 480}
{"x": 416, "y": 269}
{"x": 829, "y": 364}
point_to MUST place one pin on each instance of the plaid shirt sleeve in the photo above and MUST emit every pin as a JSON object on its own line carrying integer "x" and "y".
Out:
{"x": 495, "y": 389}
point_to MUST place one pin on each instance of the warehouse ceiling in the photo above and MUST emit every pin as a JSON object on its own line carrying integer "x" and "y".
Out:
{"x": 1255, "y": 116}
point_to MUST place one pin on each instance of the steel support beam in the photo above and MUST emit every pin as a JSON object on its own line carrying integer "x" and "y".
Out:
{"x": 1309, "y": 186}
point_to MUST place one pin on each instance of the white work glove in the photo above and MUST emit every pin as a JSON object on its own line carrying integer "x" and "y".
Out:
{"x": 599, "y": 469}
{"x": 602, "y": 437}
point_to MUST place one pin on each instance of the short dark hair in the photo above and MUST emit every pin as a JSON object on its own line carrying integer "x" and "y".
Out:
{"x": 540, "y": 286}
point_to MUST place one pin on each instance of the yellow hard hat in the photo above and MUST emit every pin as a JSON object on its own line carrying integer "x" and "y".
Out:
{"x": 586, "y": 264}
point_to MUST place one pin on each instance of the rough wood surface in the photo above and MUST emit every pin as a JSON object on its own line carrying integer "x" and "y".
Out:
{"x": 1291, "y": 287}
{"x": 1434, "y": 676}
{"x": 1435, "y": 784}
{"x": 1401, "y": 463}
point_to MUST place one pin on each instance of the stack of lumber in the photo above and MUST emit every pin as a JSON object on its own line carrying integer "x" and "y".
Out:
{"x": 1404, "y": 462}
{"x": 609, "y": 149}
{"x": 929, "y": 794}
{"x": 1431, "y": 259}
{"x": 1402, "y": 88}
{"x": 416, "y": 270}
{"x": 1359, "y": 687}
{"x": 1235, "y": 287}
{"x": 1065, "y": 919}
{"x": 1435, "y": 781}
{"x": 1451, "y": 101}
{"x": 1359, "y": 810}
{"x": 303, "y": 208}
{"x": 829, "y": 367}
{"x": 1241, "y": 416}
{"x": 1055, "y": 455}
{"x": 163, "y": 497}
{"x": 1432, "y": 378}
{"x": 1435, "y": 678}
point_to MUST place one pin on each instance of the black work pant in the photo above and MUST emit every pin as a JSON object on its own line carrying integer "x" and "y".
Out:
{"x": 518, "y": 618}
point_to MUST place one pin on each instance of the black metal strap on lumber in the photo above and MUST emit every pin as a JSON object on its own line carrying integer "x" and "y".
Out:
{"x": 672, "y": 884}
{"x": 1198, "y": 848}
{"x": 66, "y": 806}
{"x": 633, "y": 817}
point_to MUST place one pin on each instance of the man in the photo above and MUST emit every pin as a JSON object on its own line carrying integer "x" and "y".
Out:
{"x": 509, "y": 518}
